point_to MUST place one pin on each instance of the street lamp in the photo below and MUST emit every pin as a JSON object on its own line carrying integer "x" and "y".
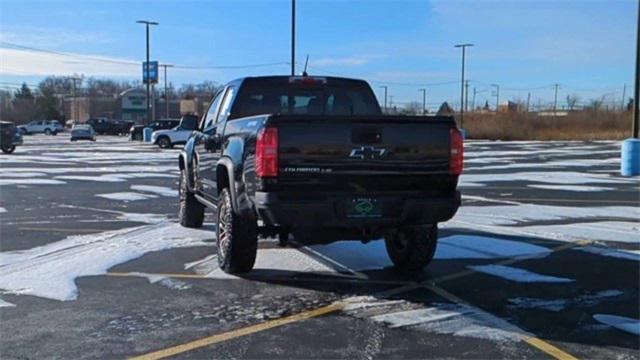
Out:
{"x": 147, "y": 23}
{"x": 497, "y": 96}
{"x": 424, "y": 101}
{"x": 464, "y": 47}
{"x": 386, "y": 88}
{"x": 630, "y": 154}
{"x": 293, "y": 37}
{"x": 166, "y": 93}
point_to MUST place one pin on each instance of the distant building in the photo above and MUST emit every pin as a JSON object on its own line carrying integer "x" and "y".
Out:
{"x": 510, "y": 106}
{"x": 553, "y": 113}
{"x": 134, "y": 105}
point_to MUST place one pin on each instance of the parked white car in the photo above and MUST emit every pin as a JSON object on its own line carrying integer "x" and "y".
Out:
{"x": 178, "y": 135}
{"x": 82, "y": 132}
{"x": 49, "y": 127}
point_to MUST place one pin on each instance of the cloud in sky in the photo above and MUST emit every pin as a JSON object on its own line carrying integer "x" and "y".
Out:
{"x": 24, "y": 62}
{"x": 355, "y": 60}
{"x": 51, "y": 36}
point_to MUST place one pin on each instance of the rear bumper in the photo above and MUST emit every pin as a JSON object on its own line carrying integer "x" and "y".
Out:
{"x": 405, "y": 209}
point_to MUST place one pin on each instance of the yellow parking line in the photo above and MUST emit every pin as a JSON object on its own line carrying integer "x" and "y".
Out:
{"x": 538, "y": 343}
{"x": 504, "y": 325}
{"x": 214, "y": 339}
{"x": 548, "y": 348}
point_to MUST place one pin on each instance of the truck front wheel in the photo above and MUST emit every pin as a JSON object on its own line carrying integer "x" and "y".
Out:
{"x": 237, "y": 237}
{"x": 191, "y": 212}
{"x": 412, "y": 249}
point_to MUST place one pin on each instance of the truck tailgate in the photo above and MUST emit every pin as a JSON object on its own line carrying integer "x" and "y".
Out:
{"x": 370, "y": 153}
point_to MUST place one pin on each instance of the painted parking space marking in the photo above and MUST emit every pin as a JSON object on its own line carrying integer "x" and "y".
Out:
{"x": 499, "y": 323}
{"x": 530, "y": 339}
{"x": 233, "y": 334}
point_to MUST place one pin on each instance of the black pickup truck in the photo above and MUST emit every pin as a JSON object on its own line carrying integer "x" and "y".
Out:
{"x": 315, "y": 158}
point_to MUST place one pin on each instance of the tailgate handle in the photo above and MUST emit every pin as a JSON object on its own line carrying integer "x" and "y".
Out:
{"x": 366, "y": 136}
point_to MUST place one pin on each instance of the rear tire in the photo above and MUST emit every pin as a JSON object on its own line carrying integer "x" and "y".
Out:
{"x": 9, "y": 149}
{"x": 191, "y": 211}
{"x": 164, "y": 142}
{"x": 412, "y": 249}
{"x": 47, "y": 131}
{"x": 237, "y": 237}
{"x": 137, "y": 137}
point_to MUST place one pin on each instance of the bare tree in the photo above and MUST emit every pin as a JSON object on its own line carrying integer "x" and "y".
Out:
{"x": 572, "y": 100}
{"x": 596, "y": 104}
{"x": 412, "y": 108}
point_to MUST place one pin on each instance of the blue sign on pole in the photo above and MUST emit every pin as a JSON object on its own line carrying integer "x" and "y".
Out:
{"x": 153, "y": 72}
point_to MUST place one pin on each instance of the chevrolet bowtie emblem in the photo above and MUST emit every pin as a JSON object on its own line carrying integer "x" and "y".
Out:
{"x": 368, "y": 152}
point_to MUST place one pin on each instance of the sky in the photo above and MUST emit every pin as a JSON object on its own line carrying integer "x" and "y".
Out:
{"x": 587, "y": 47}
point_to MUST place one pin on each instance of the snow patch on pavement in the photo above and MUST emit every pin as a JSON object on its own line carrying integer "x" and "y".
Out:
{"x": 279, "y": 262}
{"x": 605, "y": 251}
{"x": 126, "y": 196}
{"x": 549, "y": 177}
{"x": 99, "y": 178}
{"x": 450, "y": 319}
{"x": 620, "y": 322}
{"x": 50, "y": 271}
{"x": 560, "y": 304}
{"x": 12, "y": 174}
{"x": 23, "y": 181}
{"x": 5, "y": 304}
{"x": 483, "y": 247}
{"x": 165, "y": 281}
{"x": 371, "y": 256}
{"x": 516, "y": 214}
{"x": 616, "y": 231}
{"x": 159, "y": 190}
{"x": 517, "y": 275}
{"x": 571, "y": 187}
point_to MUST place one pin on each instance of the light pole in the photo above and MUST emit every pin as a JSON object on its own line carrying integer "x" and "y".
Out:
{"x": 76, "y": 108}
{"x": 166, "y": 93}
{"x": 386, "y": 88}
{"x": 147, "y": 23}
{"x": 555, "y": 99}
{"x": 497, "y": 97}
{"x": 464, "y": 47}
{"x": 636, "y": 100}
{"x": 473, "y": 99}
{"x": 466, "y": 96}
{"x": 293, "y": 37}
{"x": 630, "y": 157}
{"x": 424, "y": 101}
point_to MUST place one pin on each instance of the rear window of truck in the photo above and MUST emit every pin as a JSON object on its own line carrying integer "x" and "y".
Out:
{"x": 280, "y": 96}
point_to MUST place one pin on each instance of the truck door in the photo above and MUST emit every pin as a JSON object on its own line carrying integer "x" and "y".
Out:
{"x": 214, "y": 134}
{"x": 202, "y": 145}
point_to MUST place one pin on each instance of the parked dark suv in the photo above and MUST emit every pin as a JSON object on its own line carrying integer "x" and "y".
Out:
{"x": 9, "y": 137}
{"x": 135, "y": 133}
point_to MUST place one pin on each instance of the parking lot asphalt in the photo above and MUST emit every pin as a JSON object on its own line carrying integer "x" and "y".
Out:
{"x": 541, "y": 261}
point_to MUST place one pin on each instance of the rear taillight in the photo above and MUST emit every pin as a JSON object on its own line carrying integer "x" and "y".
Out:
{"x": 456, "y": 152}
{"x": 267, "y": 153}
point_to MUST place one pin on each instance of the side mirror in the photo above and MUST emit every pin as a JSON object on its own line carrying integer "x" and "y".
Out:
{"x": 212, "y": 142}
